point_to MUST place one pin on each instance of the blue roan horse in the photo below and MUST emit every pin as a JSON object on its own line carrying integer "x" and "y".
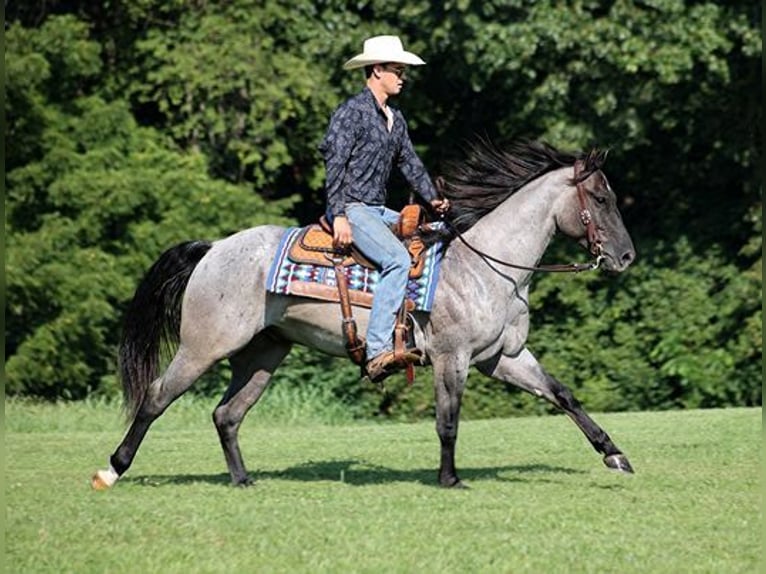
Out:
{"x": 507, "y": 205}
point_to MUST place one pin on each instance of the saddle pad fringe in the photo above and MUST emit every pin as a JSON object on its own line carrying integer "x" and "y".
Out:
{"x": 328, "y": 293}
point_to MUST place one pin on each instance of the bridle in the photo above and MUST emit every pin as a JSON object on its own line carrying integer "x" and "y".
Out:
{"x": 591, "y": 231}
{"x": 594, "y": 241}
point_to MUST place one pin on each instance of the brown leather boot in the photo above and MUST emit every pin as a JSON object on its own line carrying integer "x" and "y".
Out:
{"x": 387, "y": 363}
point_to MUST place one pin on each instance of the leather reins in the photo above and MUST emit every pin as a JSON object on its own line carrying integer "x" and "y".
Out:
{"x": 594, "y": 242}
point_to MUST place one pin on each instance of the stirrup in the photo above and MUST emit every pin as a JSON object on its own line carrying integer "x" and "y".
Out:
{"x": 388, "y": 363}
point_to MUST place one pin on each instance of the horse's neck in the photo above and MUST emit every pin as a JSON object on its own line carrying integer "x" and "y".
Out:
{"x": 520, "y": 229}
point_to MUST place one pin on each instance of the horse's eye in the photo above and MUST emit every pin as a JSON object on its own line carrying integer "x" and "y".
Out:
{"x": 600, "y": 199}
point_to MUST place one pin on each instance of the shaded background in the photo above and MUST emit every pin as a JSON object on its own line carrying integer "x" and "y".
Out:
{"x": 132, "y": 126}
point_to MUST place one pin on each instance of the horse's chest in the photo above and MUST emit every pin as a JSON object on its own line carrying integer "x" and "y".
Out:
{"x": 503, "y": 330}
{"x": 516, "y": 326}
{"x": 481, "y": 315}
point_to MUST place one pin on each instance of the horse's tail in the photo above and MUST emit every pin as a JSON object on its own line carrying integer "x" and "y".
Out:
{"x": 153, "y": 319}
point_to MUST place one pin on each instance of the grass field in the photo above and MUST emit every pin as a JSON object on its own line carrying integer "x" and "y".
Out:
{"x": 363, "y": 497}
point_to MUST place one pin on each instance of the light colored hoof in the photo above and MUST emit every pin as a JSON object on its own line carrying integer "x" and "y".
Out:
{"x": 98, "y": 483}
{"x": 103, "y": 479}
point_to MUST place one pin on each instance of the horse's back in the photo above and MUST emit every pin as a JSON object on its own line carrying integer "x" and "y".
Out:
{"x": 225, "y": 299}
{"x": 260, "y": 236}
{"x": 241, "y": 259}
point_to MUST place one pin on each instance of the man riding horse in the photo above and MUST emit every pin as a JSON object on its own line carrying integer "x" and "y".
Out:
{"x": 365, "y": 138}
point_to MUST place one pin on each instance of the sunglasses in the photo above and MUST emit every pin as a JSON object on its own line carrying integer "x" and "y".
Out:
{"x": 398, "y": 71}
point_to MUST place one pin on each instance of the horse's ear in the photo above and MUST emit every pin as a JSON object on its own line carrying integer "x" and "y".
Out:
{"x": 595, "y": 159}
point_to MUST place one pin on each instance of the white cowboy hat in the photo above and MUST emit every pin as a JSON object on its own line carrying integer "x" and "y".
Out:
{"x": 381, "y": 49}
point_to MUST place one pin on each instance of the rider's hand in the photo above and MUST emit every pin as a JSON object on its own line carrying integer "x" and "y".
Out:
{"x": 341, "y": 233}
{"x": 441, "y": 206}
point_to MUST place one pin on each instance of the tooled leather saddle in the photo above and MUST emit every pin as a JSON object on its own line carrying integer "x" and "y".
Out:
{"x": 314, "y": 246}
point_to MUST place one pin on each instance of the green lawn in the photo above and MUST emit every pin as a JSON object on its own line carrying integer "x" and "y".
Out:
{"x": 363, "y": 497}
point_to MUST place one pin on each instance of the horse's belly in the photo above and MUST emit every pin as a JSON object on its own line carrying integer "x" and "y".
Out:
{"x": 317, "y": 324}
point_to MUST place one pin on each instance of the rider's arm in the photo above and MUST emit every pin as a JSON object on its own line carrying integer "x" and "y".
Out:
{"x": 336, "y": 148}
{"x": 413, "y": 170}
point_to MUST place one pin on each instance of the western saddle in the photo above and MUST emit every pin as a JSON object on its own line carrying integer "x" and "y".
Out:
{"x": 314, "y": 246}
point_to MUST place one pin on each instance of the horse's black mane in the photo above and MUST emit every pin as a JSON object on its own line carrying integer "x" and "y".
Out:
{"x": 489, "y": 175}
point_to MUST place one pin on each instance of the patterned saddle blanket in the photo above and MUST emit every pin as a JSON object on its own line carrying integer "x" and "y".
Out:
{"x": 302, "y": 268}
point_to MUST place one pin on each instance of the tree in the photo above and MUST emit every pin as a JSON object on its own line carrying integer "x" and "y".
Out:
{"x": 102, "y": 198}
{"x": 119, "y": 103}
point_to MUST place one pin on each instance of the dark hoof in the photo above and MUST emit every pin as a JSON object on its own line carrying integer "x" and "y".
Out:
{"x": 618, "y": 462}
{"x": 244, "y": 483}
{"x": 455, "y": 483}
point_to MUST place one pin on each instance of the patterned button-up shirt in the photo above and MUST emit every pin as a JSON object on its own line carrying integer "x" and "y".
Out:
{"x": 359, "y": 152}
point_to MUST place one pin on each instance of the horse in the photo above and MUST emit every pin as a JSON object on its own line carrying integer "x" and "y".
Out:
{"x": 208, "y": 301}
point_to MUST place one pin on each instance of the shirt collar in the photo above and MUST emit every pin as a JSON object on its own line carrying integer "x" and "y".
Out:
{"x": 373, "y": 101}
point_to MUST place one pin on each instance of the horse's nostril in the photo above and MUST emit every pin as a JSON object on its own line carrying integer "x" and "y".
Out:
{"x": 627, "y": 257}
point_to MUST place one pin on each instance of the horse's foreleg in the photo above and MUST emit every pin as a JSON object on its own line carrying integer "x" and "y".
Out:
{"x": 252, "y": 369}
{"x": 525, "y": 371}
{"x": 450, "y": 372}
{"x": 179, "y": 376}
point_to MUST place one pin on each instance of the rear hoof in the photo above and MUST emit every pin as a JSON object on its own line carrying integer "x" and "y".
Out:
{"x": 244, "y": 483}
{"x": 618, "y": 462}
{"x": 103, "y": 479}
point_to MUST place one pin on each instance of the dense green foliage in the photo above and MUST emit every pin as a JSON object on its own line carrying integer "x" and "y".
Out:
{"x": 132, "y": 126}
{"x": 363, "y": 497}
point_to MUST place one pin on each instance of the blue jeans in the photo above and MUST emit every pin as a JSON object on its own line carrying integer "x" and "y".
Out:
{"x": 374, "y": 238}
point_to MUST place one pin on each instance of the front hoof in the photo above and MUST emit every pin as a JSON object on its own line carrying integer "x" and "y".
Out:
{"x": 618, "y": 462}
{"x": 244, "y": 483}
{"x": 453, "y": 482}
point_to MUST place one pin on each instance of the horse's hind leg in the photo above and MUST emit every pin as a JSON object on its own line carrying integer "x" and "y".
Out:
{"x": 179, "y": 376}
{"x": 525, "y": 372}
{"x": 252, "y": 368}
